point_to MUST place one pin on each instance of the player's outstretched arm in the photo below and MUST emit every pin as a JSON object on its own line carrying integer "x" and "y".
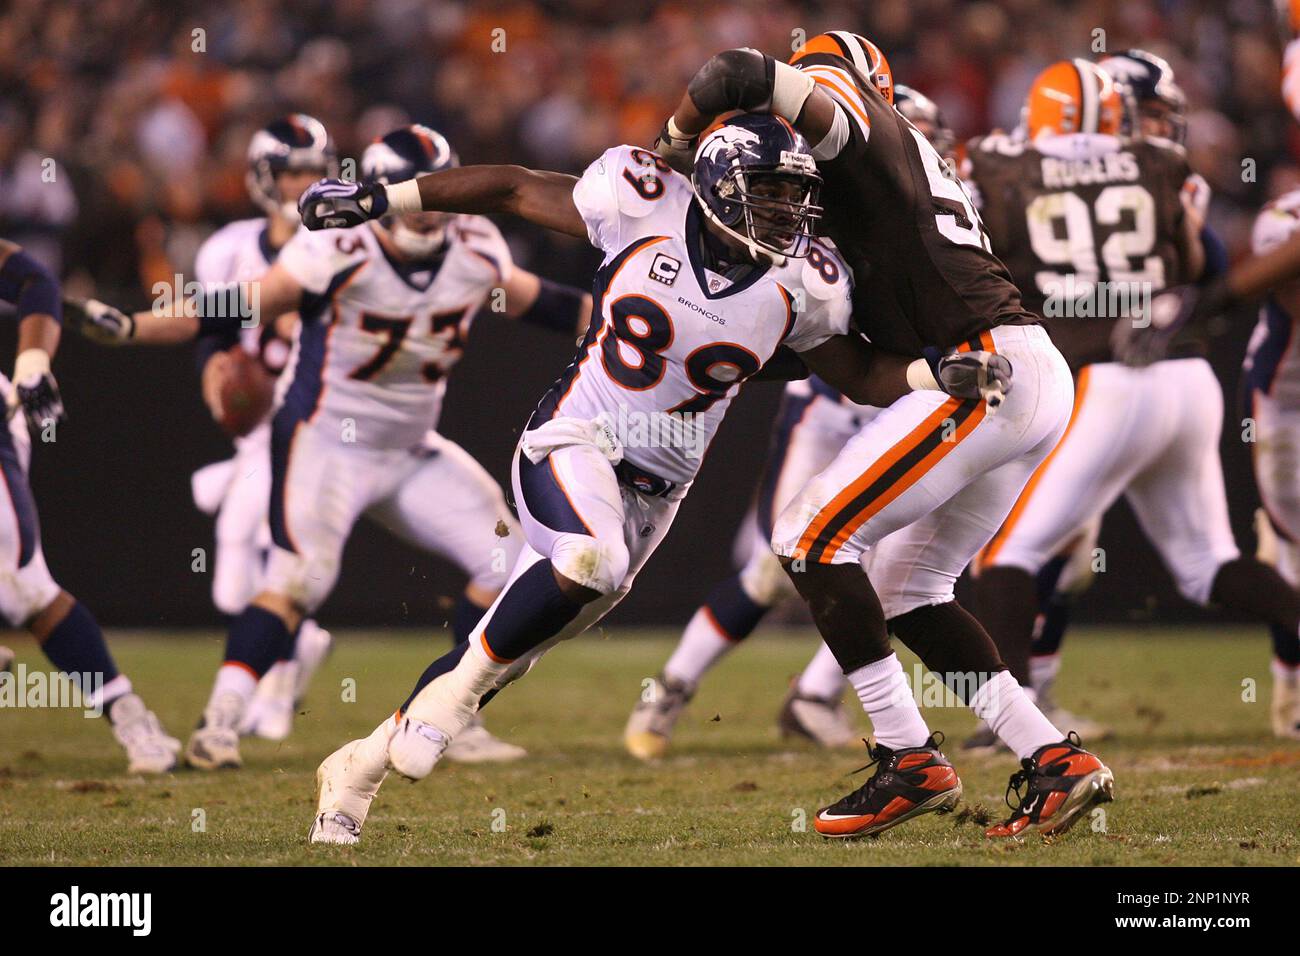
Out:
{"x": 34, "y": 291}
{"x": 234, "y": 306}
{"x": 541, "y": 197}
{"x": 870, "y": 376}
{"x": 538, "y": 301}
{"x": 748, "y": 80}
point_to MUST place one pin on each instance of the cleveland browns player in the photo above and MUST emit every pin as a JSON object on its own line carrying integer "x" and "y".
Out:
{"x": 942, "y": 473}
{"x": 1091, "y": 224}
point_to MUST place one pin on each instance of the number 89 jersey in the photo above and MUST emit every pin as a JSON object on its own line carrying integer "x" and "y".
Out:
{"x": 379, "y": 336}
{"x": 671, "y": 341}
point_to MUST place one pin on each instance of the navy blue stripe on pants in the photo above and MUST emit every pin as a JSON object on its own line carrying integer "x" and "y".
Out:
{"x": 20, "y": 497}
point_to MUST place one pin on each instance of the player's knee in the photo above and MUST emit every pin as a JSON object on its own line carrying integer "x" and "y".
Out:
{"x": 26, "y": 594}
{"x": 765, "y": 580}
{"x": 590, "y": 565}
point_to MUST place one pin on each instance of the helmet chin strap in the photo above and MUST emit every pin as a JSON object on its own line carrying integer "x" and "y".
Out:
{"x": 759, "y": 253}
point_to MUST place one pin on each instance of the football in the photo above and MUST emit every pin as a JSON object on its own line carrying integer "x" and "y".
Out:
{"x": 246, "y": 394}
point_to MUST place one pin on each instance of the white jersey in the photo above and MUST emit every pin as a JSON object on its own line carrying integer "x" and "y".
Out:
{"x": 1272, "y": 363}
{"x": 377, "y": 337}
{"x": 239, "y": 252}
{"x": 670, "y": 341}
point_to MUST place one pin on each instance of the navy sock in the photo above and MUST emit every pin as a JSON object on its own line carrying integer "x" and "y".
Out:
{"x": 532, "y": 611}
{"x": 734, "y": 610}
{"x": 465, "y": 618}
{"x": 77, "y": 646}
{"x": 257, "y": 639}
{"x": 1054, "y": 608}
{"x": 1286, "y": 645}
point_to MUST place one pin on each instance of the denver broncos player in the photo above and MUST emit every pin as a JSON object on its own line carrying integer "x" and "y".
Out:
{"x": 384, "y": 310}
{"x": 928, "y": 480}
{"x": 1090, "y": 223}
{"x": 1272, "y": 390}
{"x": 812, "y": 425}
{"x": 30, "y": 598}
{"x": 703, "y": 281}
{"x": 284, "y": 158}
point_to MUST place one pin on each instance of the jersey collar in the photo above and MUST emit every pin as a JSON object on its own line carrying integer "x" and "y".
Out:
{"x": 695, "y": 237}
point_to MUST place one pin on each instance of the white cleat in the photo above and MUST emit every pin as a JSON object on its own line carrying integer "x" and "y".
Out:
{"x": 313, "y": 646}
{"x": 476, "y": 744}
{"x": 415, "y": 748}
{"x": 820, "y": 720}
{"x": 1285, "y": 707}
{"x": 334, "y": 827}
{"x": 215, "y": 744}
{"x": 6, "y": 660}
{"x": 1087, "y": 728}
{"x": 270, "y": 712}
{"x": 649, "y": 729}
{"x": 137, "y": 729}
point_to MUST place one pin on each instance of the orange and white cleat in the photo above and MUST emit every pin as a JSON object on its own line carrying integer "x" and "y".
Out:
{"x": 1054, "y": 788}
{"x": 907, "y": 783}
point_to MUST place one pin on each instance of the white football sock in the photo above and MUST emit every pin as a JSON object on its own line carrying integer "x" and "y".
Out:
{"x": 886, "y": 697}
{"x": 450, "y": 701}
{"x": 1043, "y": 670}
{"x": 822, "y": 677}
{"x": 1010, "y": 711}
{"x": 233, "y": 680}
{"x": 701, "y": 646}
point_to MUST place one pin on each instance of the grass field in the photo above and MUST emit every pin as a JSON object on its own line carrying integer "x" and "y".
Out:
{"x": 1199, "y": 778}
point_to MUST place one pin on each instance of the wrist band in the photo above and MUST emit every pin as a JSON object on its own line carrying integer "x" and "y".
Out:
{"x": 31, "y": 362}
{"x": 920, "y": 378}
{"x": 404, "y": 197}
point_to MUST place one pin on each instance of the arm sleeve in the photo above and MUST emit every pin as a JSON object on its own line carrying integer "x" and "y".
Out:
{"x": 28, "y": 284}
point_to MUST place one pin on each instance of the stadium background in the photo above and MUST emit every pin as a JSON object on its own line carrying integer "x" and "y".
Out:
{"x": 149, "y": 134}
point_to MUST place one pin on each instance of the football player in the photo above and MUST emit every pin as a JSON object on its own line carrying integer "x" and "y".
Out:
{"x": 384, "y": 309}
{"x": 30, "y": 598}
{"x": 1091, "y": 223}
{"x": 284, "y": 158}
{"x": 703, "y": 281}
{"x": 928, "y": 480}
{"x": 812, "y": 425}
{"x": 1272, "y": 387}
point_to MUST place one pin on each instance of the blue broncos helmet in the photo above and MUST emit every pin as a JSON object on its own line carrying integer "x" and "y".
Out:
{"x": 1149, "y": 80}
{"x": 293, "y": 142}
{"x": 401, "y": 155}
{"x": 756, "y": 179}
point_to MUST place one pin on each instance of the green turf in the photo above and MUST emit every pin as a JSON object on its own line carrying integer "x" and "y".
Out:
{"x": 1199, "y": 778}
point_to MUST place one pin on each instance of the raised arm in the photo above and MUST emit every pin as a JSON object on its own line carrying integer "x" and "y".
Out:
{"x": 34, "y": 291}
{"x": 541, "y": 197}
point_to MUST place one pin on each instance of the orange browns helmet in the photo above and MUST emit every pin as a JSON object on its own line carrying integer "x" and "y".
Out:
{"x": 858, "y": 50}
{"x": 1073, "y": 96}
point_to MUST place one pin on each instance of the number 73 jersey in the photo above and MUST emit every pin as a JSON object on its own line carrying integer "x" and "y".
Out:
{"x": 672, "y": 341}
{"x": 379, "y": 336}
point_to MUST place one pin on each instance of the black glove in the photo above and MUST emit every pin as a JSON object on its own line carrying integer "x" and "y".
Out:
{"x": 98, "y": 321}
{"x": 337, "y": 204}
{"x": 973, "y": 375}
{"x": 679, "y": 154}
{"x": 1139, "y": 342}
{"x": 39, "y": 398}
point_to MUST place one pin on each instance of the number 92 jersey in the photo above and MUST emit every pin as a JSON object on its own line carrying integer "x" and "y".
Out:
{"x": 674, "y": 341}
{"x": 378, "y": 336}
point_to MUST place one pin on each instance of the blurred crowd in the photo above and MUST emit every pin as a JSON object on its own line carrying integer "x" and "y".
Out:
{"x": 123, "y": 123}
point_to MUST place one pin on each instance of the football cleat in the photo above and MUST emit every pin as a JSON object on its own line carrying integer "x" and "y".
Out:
{"x": 270, "y": 712}
{"x": 214, "y": 745}
{"x": 821, "y": 720}
{"x": 416, "y": 748}
{"x": 1285, "y": 707}
{"x": 650, "y": 727}
{"x": 6, "y": 660}
{"x": 309, "y": 652}
{"x": 1054, "y": 788}
{"x": 346, "y": 783}
{"x": 983, "y": 742}
{"x": 907, "y": 783}
{"x": 476, "y": 744}
{"x": 1083, "y": 726}
{"x": 137, "y": 729}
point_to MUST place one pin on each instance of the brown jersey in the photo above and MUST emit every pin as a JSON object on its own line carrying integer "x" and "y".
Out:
{"x": 923, "y": 271}
{"x": 1089, "y": 225}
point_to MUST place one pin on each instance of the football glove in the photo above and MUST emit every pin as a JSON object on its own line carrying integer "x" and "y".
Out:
{"x": 98, "y": 321}
{"x": 678, "y": 152}
{"x": 38, "y": 396}
{"x": 974, "y": 375}
{"x": 1170, "y": 313}
{"x": 336, "y": 204}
